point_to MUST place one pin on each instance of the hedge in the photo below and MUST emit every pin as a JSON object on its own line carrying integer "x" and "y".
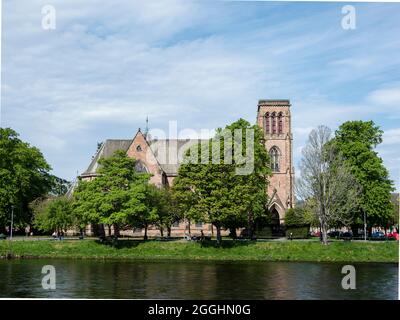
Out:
{"x": 298, "y": 231}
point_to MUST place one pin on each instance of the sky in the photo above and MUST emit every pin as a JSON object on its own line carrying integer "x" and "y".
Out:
{"x": 107, "y": 66}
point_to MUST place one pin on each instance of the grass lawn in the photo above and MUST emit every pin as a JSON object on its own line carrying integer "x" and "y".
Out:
{"x": 180, "y": 250}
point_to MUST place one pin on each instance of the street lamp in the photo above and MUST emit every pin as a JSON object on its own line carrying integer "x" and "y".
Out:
{"x": 12, "y": 221}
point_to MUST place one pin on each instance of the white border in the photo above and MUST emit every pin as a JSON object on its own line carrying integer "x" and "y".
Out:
{"x": 1, "y": 91}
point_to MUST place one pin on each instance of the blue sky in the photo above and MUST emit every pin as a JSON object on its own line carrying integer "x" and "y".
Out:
{"x": 204, "y": 64}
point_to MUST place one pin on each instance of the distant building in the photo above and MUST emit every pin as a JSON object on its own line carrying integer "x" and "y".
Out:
{"x": 162, "y": 157}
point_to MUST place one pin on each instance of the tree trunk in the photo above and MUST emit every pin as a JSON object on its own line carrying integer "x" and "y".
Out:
{"x": 324, "y": 235}
{"x": 219, "y": 238}
{"x": 232, "y": 233}
{"x": 116, "y": 230}
{"x": 109, "y": 230}
{"x": 354, "y": 230}
{"x": 250, "y": 225}
{"x": 145, "y": 232}
{"x": 100, "y": 230}
{"x": 162, "y": 231}
{"x": 169, "y": 231}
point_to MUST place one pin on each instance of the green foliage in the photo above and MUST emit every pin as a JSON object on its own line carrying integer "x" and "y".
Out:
{"x": 337, "y": 251}
{"x": 167, "y": 208}
{"x": 60, "y": 186}
{"x": 356, "y": 140}
{"x": 24, "y": 177}
{"x": 298, "y": 216}
{"x": 214, "y": 190}
{"x": 394, "y": 220}
{"x": 53, "y": 214}
{"x": 297, "y": 222}
{"x": 123, "y": 197}
{"x": 116, "y": 196}
{"x": 298, "y": 232}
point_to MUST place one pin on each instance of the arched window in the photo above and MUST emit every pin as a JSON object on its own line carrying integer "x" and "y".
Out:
{"x": 140, "y": 167}
{"x": 273, "y": 122}
{"x": 280, "y": 122}
{"x": 274, "y": 155}
{"x": 267, "y": 123}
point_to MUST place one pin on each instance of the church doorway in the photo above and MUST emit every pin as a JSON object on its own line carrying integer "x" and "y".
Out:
{"x": 275, "y": 222}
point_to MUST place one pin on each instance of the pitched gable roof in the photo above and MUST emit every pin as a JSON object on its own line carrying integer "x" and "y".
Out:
{"x": 168, "y": 152}
{"x": 106, "y": 150}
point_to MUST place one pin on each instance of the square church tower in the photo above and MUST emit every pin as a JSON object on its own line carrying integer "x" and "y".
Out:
{"x": 273, "y": 116}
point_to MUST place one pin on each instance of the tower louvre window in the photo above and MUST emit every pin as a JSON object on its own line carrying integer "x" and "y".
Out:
{"x": 267, "y": 123}
{"x": 280, "y": 123}
{"x": 273, "y": 122}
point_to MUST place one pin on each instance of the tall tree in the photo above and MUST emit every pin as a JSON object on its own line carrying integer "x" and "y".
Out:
{"x": 327, "y": 180}
{"x": 224, "y": 181}
{"x": 119, "y": 195}
{"x": 356, "y": 140}
{"x": 24, "y": 176}
{"x": 53, "y": 214}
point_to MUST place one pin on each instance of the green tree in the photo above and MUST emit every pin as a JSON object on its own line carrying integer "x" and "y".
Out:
{"x": 24, "y": 177}
{"x": 328, "y": 181}
{"x": 224, "y": 181}
{"x": 167, "y": 209}
{"x": 85, "y": 208}
{"x": 394, "y": 220}
{"x": 60, "y": 186}
{"x": 118, "y": 196}
{"x": 298, "y": 216}
{"x": 53, "y": 214}
{"x": 356, "y": 141}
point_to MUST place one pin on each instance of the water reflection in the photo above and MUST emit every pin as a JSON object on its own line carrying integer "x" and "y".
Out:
{"x": 196, "y": 280}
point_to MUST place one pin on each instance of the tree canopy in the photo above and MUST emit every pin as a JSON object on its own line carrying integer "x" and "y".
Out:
{"x": 24, "y": 177}
{"x": 356, "y": 140}
{"x": 224, "y": 181}
{"x": 327, "y": 180}
{"x": 53, "y": 214}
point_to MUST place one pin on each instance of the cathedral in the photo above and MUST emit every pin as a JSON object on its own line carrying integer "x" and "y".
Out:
{"x": 162, "y": 157}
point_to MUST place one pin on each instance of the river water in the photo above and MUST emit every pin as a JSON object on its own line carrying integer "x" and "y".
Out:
{"x": 195, "y": 280}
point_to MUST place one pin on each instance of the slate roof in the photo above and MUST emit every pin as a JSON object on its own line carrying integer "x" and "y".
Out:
{"x": 168, "y": 152}
{"x": 106, "y": 150}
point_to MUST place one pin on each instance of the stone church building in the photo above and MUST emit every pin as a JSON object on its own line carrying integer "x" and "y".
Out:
{"x": 161, "y": 158}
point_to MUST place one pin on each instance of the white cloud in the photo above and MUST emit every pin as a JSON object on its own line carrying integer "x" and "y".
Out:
{"x": 109, "y": 65}
{"x": 386, "y": 97}
{"x": 391, "y": 137}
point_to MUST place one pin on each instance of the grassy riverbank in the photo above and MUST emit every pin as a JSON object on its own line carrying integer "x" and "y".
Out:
{"x": 230, "y": 250}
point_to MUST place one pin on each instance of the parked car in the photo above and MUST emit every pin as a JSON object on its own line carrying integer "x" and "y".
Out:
{"x": 316, "y": 234}
{"x": 392, "y": 236}
{"x": 3, "y": 236}
{"x": 346, "y": 235}
{"x": 334, "y": 234}
{"x": 378, "y": 235}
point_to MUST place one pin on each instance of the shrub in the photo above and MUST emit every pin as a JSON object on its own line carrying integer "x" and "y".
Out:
{"x": 297, "y": 222}
{"x": 298, "y": 232}
{"x": 297, "y": 216}
{"x": 264, "y": 232}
